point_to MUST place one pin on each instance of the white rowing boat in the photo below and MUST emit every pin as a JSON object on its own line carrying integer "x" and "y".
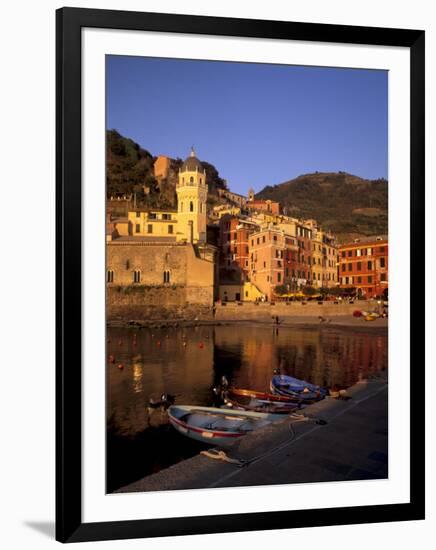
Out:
{"x": 215, "y": 426}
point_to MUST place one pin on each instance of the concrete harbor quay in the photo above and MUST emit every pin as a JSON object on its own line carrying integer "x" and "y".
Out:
{"x": 337, "y": 440}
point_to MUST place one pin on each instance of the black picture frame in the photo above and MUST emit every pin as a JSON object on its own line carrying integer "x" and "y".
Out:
{"x": 69, "y": 525}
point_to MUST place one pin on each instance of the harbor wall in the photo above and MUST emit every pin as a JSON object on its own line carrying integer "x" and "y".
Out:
{"x": 288, "y": 310}
{"x": 144, "y": 303}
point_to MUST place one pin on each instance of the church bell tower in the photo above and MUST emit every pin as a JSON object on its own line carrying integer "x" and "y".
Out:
{"x": 191, "y": 201}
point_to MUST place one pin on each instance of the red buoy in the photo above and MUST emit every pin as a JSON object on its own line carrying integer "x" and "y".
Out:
{"x": 201, "y": 345}
{"x": 111, "y": 359}
{"x": 121, "y": 366}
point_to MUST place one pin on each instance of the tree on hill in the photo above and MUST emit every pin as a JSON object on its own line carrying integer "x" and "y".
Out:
{"x": 214, "y": 181}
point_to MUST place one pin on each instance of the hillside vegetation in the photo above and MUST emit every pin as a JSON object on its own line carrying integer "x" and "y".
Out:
{"x": 348, "y": 205}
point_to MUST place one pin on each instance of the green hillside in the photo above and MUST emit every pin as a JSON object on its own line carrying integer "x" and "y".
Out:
{"x": 348, "y": 205}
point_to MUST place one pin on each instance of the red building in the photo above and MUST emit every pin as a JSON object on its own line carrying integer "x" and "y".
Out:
{"x": 363, "y": 264}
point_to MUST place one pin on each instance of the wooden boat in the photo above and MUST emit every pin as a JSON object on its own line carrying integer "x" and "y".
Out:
{"x": 262, "y": 396}
{"x": 294, "y": 398}
{"x": 260, "y": 405}
{"x": 215, "y": 426}
{"x": 283, "y": 384}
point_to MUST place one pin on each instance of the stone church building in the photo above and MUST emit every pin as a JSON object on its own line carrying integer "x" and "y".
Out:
{"x": 158, "y": 262}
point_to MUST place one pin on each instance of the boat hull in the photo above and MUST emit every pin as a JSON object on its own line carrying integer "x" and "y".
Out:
{"x": 262, "y": 396}
{"x": 216, "y": 427}
{"x": 292, "y": 387}
{"x": 260, "y": 405}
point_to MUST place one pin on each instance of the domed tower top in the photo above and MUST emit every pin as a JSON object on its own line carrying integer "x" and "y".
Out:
{"x": 192, "y": 164}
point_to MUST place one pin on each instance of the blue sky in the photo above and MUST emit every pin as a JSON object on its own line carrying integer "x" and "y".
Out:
{"x": 258, "y": 124}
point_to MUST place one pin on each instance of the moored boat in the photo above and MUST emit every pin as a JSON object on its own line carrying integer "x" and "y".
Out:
{"x": 215, "y": 426}
{"x": 261, "y": 405}
{"x": 285, "y": 385}
{"x": 262, "y": 396}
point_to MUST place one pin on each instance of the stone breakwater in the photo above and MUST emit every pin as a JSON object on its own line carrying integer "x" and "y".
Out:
{"x": 288, "y": 310}
{"x": 125, "y": 312}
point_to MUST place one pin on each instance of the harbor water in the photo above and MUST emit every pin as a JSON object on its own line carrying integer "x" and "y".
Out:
{"x": 189, "y": 362}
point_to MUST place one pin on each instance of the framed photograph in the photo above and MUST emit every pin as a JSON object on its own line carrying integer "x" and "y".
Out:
{"x": 240, "y": 302}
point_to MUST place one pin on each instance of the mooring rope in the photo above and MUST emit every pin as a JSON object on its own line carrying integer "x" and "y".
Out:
{"x": 222, "y": 455}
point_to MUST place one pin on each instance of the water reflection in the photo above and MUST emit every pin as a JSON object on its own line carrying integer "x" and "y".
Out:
{"x": 188, "y": 362}
{"x": 137, "y": 377}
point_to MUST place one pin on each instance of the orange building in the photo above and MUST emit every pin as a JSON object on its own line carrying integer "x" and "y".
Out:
{"x": 161, "y": 167}
{"x": 259, "y": 205}
{"x": 234, "y": 247}
{"x": 363, "y": 264}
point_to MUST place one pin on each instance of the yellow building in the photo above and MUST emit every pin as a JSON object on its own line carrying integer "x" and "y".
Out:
{"x": 324, "y": 257}
{"x": 225, "y": 209}
{"x": 156, "y": 223}
{"x": 191, "y": 201}
{"x": 188, "y": 223}
{"x": 246, "y": 292}
{"x": 317, "y": 260}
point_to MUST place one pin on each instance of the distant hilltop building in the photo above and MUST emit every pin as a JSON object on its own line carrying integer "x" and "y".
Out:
{"x": 250, "y": 203}
{"x": 261, "y": 205}
{"x": 237, "y": 199}
{"x": 161, "y": 167}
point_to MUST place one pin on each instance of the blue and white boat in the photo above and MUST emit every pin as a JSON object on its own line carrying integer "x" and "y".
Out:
{"x": 282, "y": 384}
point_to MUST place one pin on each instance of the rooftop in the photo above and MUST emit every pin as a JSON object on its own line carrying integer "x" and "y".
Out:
{"x": 366, "y": 240}
{"x": 145, "y": 239}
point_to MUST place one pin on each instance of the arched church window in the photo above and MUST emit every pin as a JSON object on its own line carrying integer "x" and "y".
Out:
{"x": 181, "y": 206}
{"x": 191, "y": 179}
{"x": 191, "y": 206}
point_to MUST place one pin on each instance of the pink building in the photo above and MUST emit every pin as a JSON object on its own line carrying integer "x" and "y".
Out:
{"x": 267, "y": 260}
